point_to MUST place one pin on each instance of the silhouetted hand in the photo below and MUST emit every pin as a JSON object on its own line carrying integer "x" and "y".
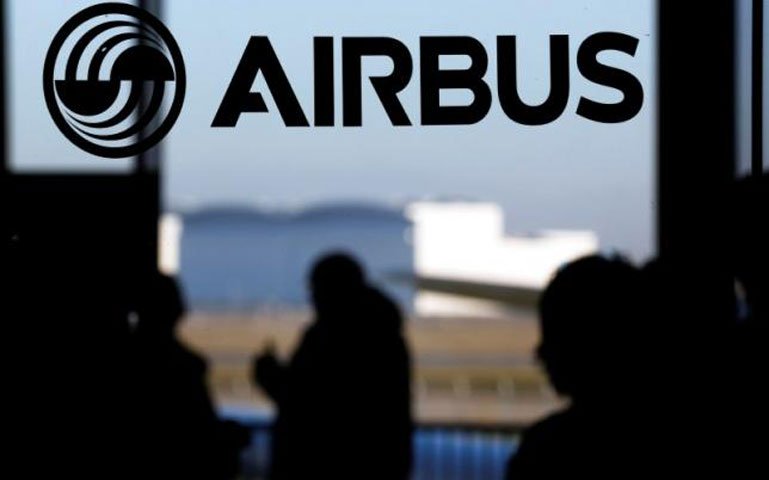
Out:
{"x": 267, "y": 371}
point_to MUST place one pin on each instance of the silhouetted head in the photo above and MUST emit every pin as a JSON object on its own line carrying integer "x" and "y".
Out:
{"x": 587, "y": 316}
{"x": 336, "y": 279}
{"x": 161, "y": 305}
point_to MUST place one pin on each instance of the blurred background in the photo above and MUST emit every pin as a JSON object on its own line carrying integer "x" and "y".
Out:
{"x": 463, "y": 226}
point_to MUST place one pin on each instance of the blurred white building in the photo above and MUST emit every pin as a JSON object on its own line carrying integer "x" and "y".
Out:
{"x": 169, "y": 243}
{"x": 466, "y": 242}
{"x": 462, "y": 261}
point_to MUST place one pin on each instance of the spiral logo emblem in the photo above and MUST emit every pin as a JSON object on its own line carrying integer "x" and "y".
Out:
{"x": 114, "y": 80}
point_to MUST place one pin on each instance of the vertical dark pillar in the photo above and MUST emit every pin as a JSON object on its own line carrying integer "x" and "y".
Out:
{"x": 5, "y": 228}
{"x": 696, "y": 168}
{"x": 757, "y": 96}
{"x": 3, "y": 132}
{"x": 149, "y": 161}
{"x": 6, "y": 232}
{"x": 696, "y": 136}
{"x": 149, "y": 180}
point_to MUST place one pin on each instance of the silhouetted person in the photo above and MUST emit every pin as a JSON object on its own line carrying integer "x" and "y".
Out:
{"x": 589, "y": 318}
{"x": 60, "y": 396}
{"x": 178, "y": 432}
{"x": 343, "y": 400}
{"x": 751, "y": 340}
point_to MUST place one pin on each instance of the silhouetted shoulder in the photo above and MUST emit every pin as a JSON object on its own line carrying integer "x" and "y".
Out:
{"x": 544, "y": 449}
{"x": 384, "y": 310}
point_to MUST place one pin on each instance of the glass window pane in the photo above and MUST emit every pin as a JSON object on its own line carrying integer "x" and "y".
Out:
{"x": 36, "y": 144}
{"x": 572, "y": 173}
{"x": 437, "y": 213}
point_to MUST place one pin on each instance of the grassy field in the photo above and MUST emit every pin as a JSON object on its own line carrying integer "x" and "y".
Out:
{"x": 465, "y": 369}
